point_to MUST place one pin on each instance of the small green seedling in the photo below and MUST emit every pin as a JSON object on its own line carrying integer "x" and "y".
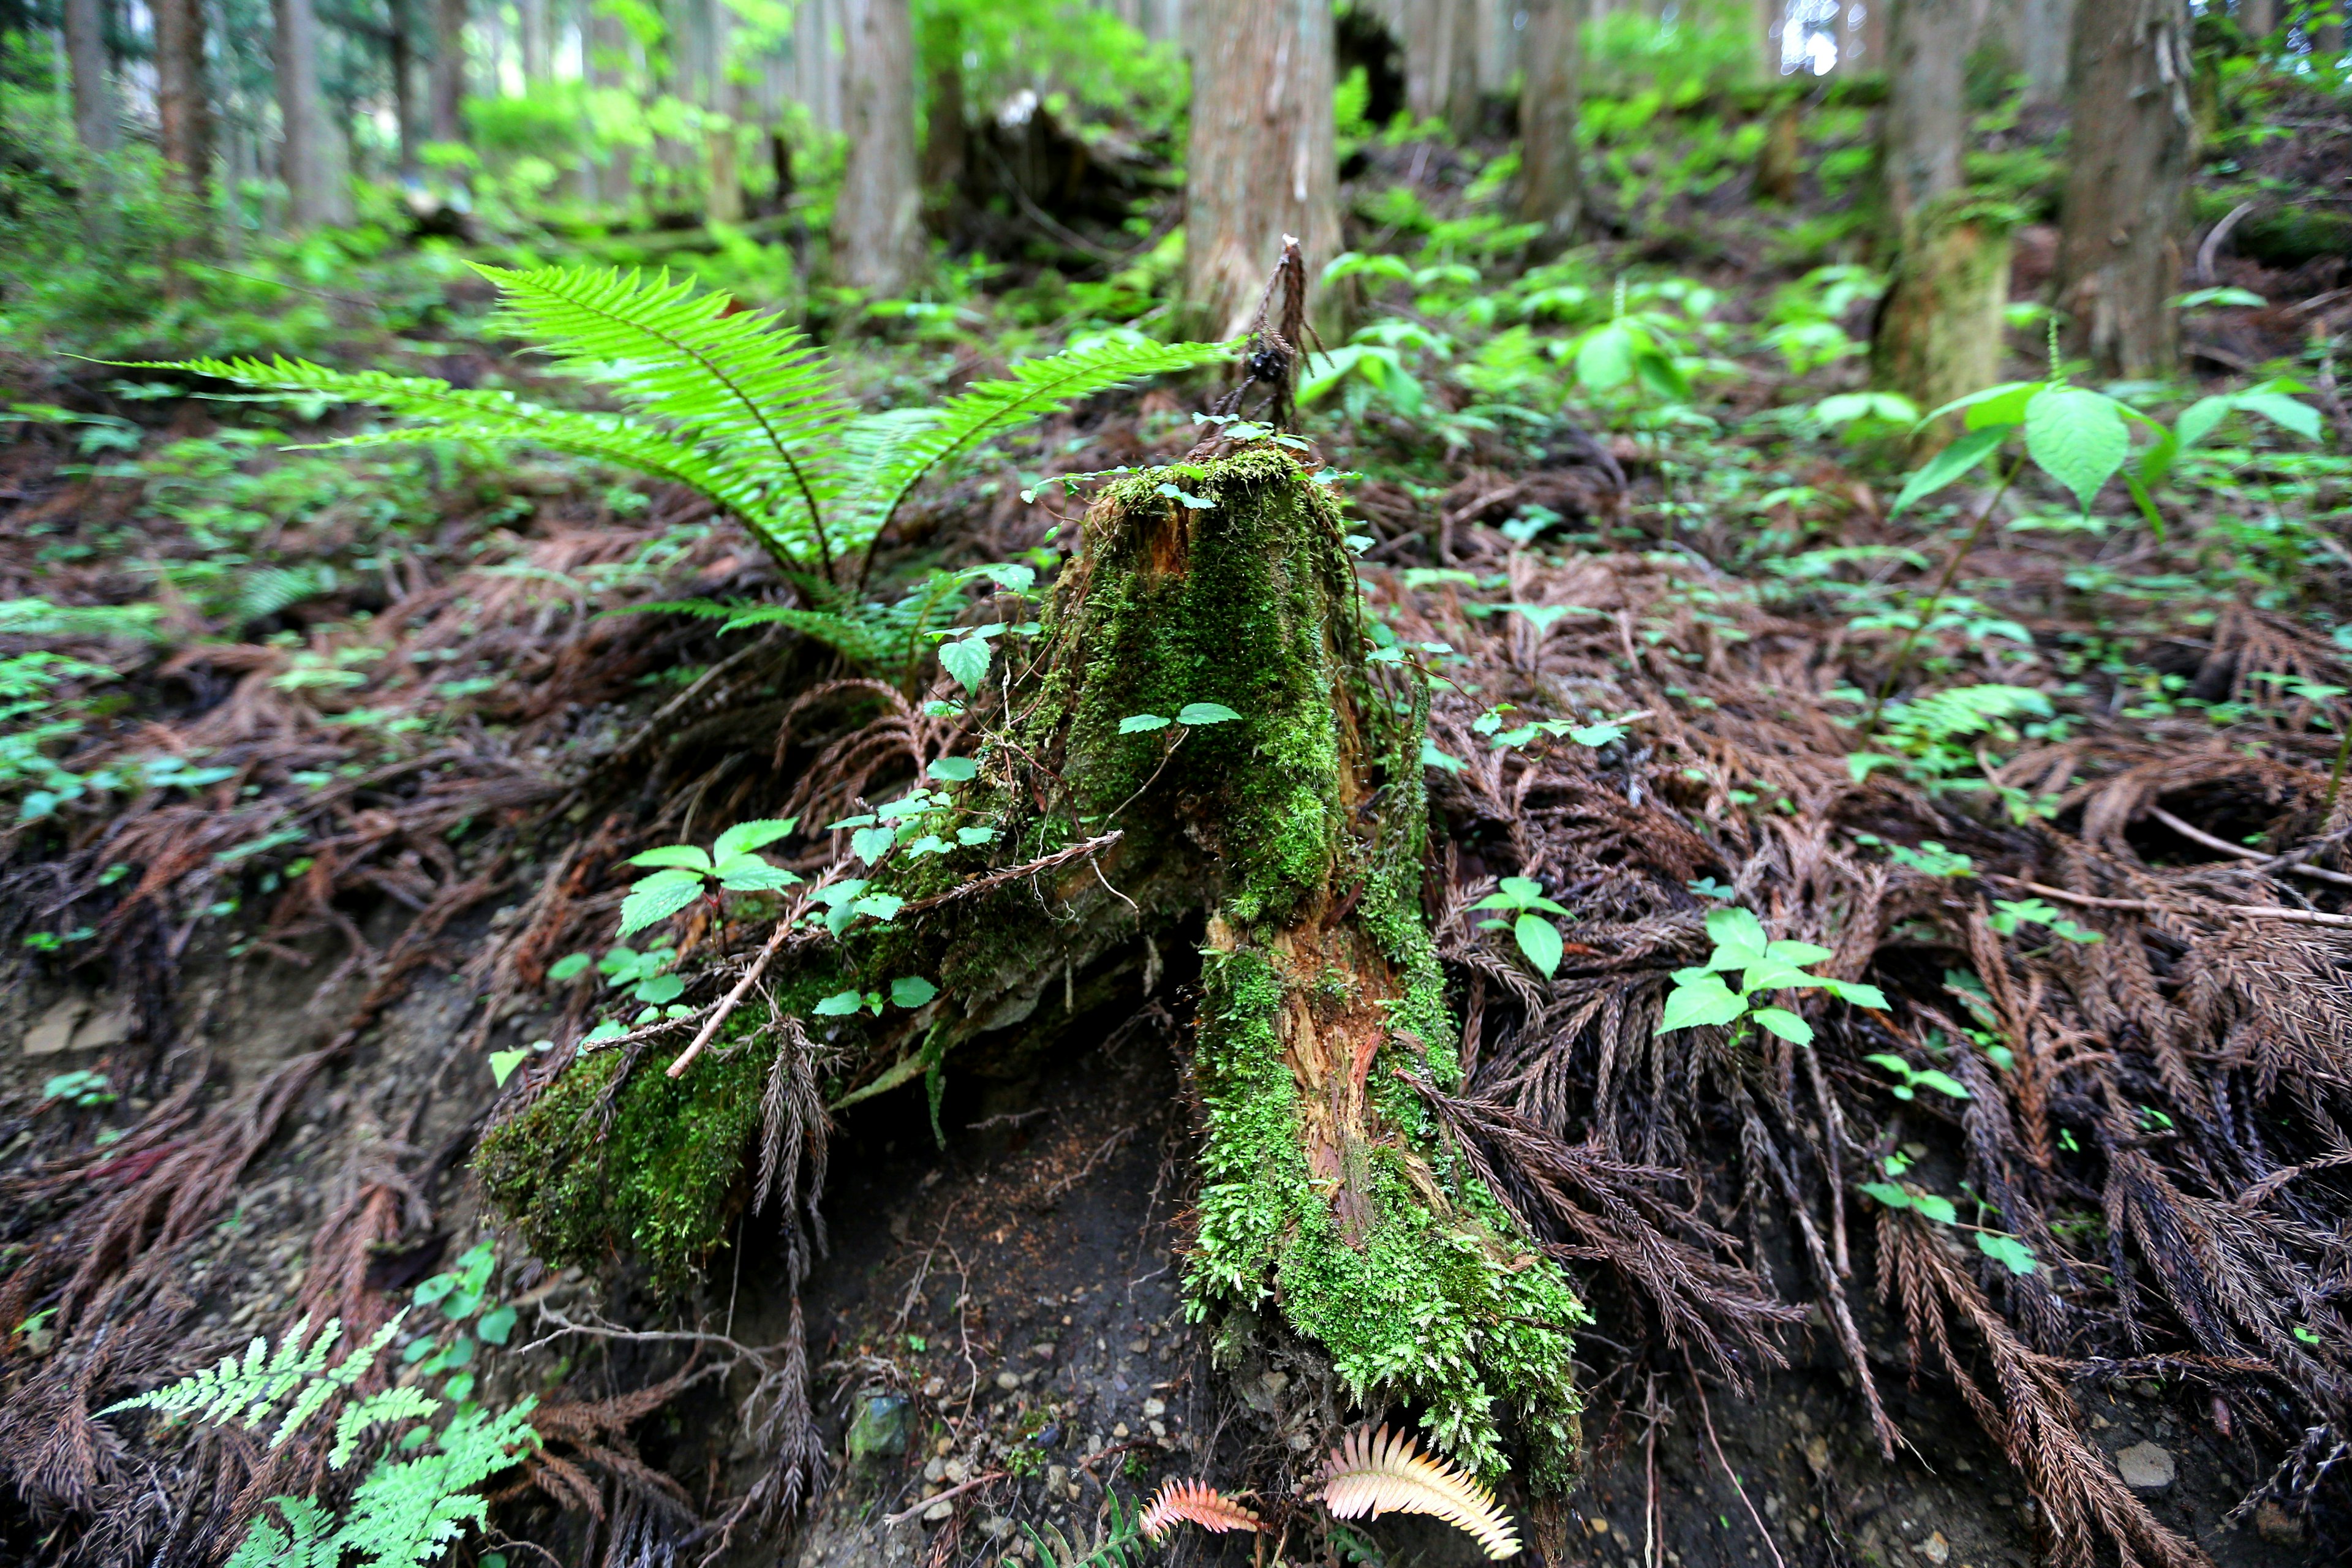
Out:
{"x": 907, "y": 991}
{"x": 2009, "y": 914}
{"x": 684, "y": 871}
{"x": 1911, "y": 1079}
{"x": 1701, "y": 997}
{"x": 1191, "y": 716}
{"x": 1537, "y": 937}
{"x": 84, "y": 1089}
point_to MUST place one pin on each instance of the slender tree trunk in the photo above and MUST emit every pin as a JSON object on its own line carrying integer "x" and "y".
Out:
{"x": 1426, "y": 38}
{"x": 1925, "y": 123}
{"x": 1261, "y": 163}
{"x": 1939, "y": 333}
{"x": 399, "y": 63}
{"x": 448, "y": 79}
{"x": 878, "y": 240}
{"x": 307, "y": 163}
{"x": 608, "y": 54}
{"x": 2119, "y": 243}
{"x": 183, "y": 119}
{"x": 535, "y": 42}
{"x": 943, "y": 128}
{"x": 2045, "y": 33}
{"x": 1462, "y": 102}
{"x": 93, "y": 91}
{"x": 1553, "y": 189}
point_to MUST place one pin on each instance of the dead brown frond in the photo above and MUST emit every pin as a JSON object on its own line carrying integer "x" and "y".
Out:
{"x": 1375, "y": 1472}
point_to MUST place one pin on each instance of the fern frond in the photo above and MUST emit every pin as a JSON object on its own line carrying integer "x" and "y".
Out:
{"x": 1114, "y": 1546}
{"x": 1196, "y": 1502}
{"x": 242, "y": 1393}
{"x": 1373, "y": 1473}
{"x": 1963, "y": 711}
{"x": 405, "y": 1515}
{"x": 738, "y": 382}
{"x": 1037, "y": 388}
{"x": 308, "y": 1539}
{"x": 500, "y": 418}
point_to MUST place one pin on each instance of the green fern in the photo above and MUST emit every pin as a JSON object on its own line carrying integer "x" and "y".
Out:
{"x": 1117, "y": 1544}
{"x": 1937, "y": 733}
{"x": 863, "y": 631}
{"x": 404, "y": 1513}
{"x": 724, "y": 402}
{"x": 236, "y": 1392}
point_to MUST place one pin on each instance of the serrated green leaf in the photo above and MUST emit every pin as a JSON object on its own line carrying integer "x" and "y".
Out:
{"x": 1856, "y": 992}
{"x": 570, "y": 966}
{"x": 1141, "y": 724}
{"x": 1796, "y": 953}
{"x": 1539, "y": 940}
{"x": 912, "y": 991}
{"x": 870, "y": 844}
{"x": 1935, "y": 1207}
{"x": 955, "y": 770}
{"x": 840, "y": 1005}
{"x": 2008, "y": 1251}
{"x": 684, "y": 857}
{"x": 1738, "y": 937}
{"x": 659, "y": 897}
{"x": 1948, "y": 465}
{"x": 1785, "y": 1024}
{"x": 1942, "y": 1083}
{"x": 967, "y": 659}
{"x": 1704, "y": 999}
{"x": 1888, "y": 1194}
{"x": 2078, "y": 438}
{"x": 503, "y": 1064}
{"x": 1197, "y": 713}
{"x": 746, "y": 837}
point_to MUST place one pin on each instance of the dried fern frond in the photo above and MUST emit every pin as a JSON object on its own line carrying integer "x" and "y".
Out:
{"x": 1373, "y": 1473}
{"x": 1198, "y": 1502}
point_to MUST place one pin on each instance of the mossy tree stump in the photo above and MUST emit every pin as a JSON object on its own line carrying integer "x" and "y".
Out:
{"x": 1291, "y": 836}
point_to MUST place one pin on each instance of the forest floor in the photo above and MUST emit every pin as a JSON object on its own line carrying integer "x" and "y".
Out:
{"x": 284, "y": 979}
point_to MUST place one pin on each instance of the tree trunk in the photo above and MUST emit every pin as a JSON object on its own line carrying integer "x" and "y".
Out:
{"x": 93, "y": 90}
{"x": 315, "y": 197}
{"x": 2119, "y": 242}
{"x": 1939, "y": 333}
{"x": 1925, "y": 127}
{"x": 1552, "y": 193}
{"x": 943, "y": 128}
{"x": 719, "y": 97}
{"x": 608, "y": 52}
{"x": 1781, "y": 161}
{"x": 878, "y": 238}
{"x": 184, "y": 121}
{"x": 1426, "y": 38}
{"x": 536, "y": 40}
{"x": 1462, "y": 102}
{"x": 399, "y": 63}
{"x": 448, "y": 79}
{"x": 2045, "y": 33}
{"x": 1261, "y": 163}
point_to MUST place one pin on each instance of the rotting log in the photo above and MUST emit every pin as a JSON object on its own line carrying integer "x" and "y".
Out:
{"x": 1287, "y": 844}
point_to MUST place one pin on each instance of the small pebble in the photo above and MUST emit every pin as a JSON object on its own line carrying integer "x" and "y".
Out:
{"x": 1008, "y": 1380}
{"x": 1154, "y": 1407}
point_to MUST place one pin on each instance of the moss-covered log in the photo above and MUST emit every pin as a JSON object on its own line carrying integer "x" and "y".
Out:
{"x": 1287, "y": 841}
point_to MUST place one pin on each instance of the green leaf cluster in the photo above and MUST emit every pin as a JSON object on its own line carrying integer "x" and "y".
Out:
{"x": 1522, "y": 900}
{"x": 1701, "y": 996}
{"x": 683, "y": 871}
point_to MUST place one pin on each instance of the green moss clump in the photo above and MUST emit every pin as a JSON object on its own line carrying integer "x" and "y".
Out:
{"x": 1450, "y": 1312}
{"x": 661, "y": 1173}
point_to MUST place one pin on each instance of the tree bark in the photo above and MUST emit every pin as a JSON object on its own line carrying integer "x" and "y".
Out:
{"x": 184, "y": 120}
{"x": 447, "y": 88}
{"x": 2045, "y": 29}
{"x": 399, "y": 63}
{"x": 536, "y": 40}
{"x": 1261, "y": 163}
{"x": 1427, "y": 40}
{"x": 943, "y": 128}
{"x": 93, "y": 90}
{"x": 1925, "y": 127}
{"x": 306, "y": 160}
{"x": 1552, "y": 192}
{"x": 878, "y": 238}
{"x": 1462, "y": 102}
{"x": 2119, "y": 242}
{"x": 1939, "y": 333}
{"x": 719, "y": 97}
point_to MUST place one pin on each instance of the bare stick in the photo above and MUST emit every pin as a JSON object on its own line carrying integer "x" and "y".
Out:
{"x": 1700, "y": 1389}
{"x": 2144, "y": 905}
{"x": 2198, "y": 835}
{"x": 734, "y": 998}
{"x": 979, "y": 1480}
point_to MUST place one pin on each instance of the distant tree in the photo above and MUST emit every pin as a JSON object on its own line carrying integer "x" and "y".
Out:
{"x": 2134, "y": 144}
{"x": 93, "y": 91}
{"x": 316, "y": 194}
{"x": 1551, "y": 192}
{"x": 184, "y": 120}
{"x": 1441, "y": 61}
{"x": 2045, "y": 37}
{"x": 1261, "y": 162}
{"x": 878, "y": 238}
{"x": 536, "y": 51}
{"x": 1938, "y": 334}
{"x": 446, "y": 92}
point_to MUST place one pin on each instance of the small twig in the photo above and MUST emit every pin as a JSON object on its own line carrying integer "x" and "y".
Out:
{"x": 957, "y": 1490}
{"x": 1700, "y": 1389}
{"x": 2144, "y": 905}
{"x": 1154, "y": 779}
{"x": 728, "y": 1005}
{"x": 1014, "y": 873}
{"x": 2213, "y": 238}
{"x": 2198, "y": 835}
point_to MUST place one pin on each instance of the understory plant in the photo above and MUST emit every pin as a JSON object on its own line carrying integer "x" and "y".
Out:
{"x": 726, "y": 402}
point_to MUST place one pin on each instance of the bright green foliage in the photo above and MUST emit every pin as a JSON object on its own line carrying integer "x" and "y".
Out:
{"x": 1909, "y": 1079}
{"x": 1537, "y": 937}
{"x": 2010, "y": 914}
{"x": 1934, "y": 733}
{"x": 1700, "y": 996}
{"x": 1117, "y": 1544}
{"x": 730, "y": 405}
{"x": 236, "y": 1392}
{"x": 732, "y": 864}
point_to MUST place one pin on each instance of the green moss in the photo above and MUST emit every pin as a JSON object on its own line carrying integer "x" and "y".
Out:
{"x": 614, "y": 1158}
{"x": 1450, "y": 1312}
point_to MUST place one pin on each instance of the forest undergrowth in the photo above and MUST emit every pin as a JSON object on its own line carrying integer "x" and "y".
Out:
{"x": 2023, "y": 797}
